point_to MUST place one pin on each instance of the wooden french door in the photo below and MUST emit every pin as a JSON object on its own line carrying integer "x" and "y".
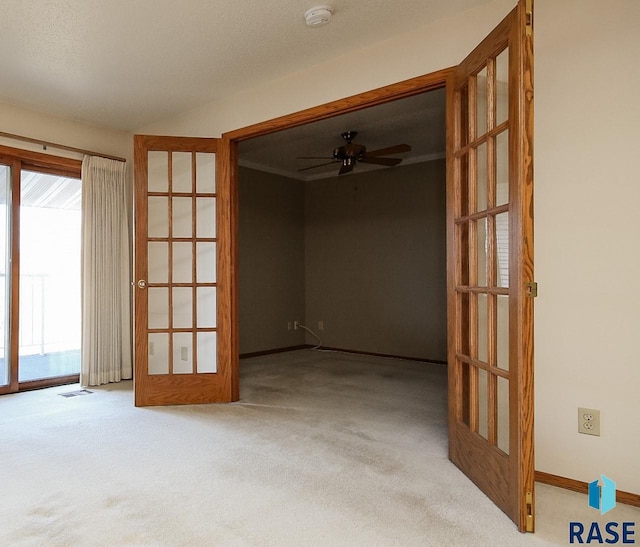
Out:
{"x": 490, "y": 266}
{"x": 183, "y": 280}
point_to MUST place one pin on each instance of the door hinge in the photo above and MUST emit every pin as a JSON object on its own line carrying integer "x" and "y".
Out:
{"x": 531, "y": 289}
{"x": 528, "y": 17}
{"x": 529, "y": 522}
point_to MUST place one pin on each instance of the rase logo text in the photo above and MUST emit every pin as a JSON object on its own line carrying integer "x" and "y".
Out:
{"x": 602, "y": 498}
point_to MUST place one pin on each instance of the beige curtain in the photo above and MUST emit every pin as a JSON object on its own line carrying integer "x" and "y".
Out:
{"x": 106, "y": 314}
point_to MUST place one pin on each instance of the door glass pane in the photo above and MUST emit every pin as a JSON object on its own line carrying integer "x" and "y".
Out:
{"x": 182, "y": 221}
{"x": 464, "y": 186}
{"x": 502, "y": 87}
{"x": 464, "y": 323}
{"x": 482, "y": 245}
{"x": 482, "y": 179}
{"x": 502, "y": 168}
{"x": 183, "y": 353}
{"x": 158, "y": 353}
{"x": 483, "y": 331}
{"x": 503, "y": 415}
{"x": 158, "y": 267}
{"x": 205, "y": 172}
{"x": 502, "y": 332}
{"x": 158, "y": 210}
{"x": 5, "y": 180}
{"x": 207, "y": 352}
{"x": 182, "y": 262}
{"x": 158, "y": 176}
{"x": 481, "y": 103}
{"x": 158, "y": 299}
{"x": 463, "y": 129}
{"x": 465, "y": 383}
{"x": 502, "y": 245}
{"x": 50, "y": 309}
{"x": 206, "y": 217}
{"x": 206, "y": 262}
{"x": 182, "y": 178}
{"x": 206, "y": 307}
{"x": 463, "y": 254}
{"x": 182, "y": 307}
{"x": 483, "y": 403}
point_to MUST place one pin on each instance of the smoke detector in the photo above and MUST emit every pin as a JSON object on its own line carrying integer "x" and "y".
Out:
{"x": 318, "y": 16}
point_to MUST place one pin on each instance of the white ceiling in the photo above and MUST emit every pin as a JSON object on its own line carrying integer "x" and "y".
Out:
{"x": 128, "y": 63}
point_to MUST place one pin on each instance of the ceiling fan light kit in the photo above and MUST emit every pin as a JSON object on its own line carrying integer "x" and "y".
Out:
{"x": 318, "y": 16}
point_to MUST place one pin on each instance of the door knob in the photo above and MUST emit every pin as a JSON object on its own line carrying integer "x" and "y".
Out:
{"x": 142, "y": 284}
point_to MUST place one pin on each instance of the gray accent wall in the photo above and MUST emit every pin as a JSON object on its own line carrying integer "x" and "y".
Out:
{"x": 365, "y": 254}
{"x": 375, "y": 255}
{"x": 271, "y": 260}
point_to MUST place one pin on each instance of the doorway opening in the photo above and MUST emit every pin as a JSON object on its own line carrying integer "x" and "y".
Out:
{"x": 359, "y": 259}
{"x": 402, "y": 90}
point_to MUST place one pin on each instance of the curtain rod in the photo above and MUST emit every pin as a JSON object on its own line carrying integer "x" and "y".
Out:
{"x": 44, "y": 144}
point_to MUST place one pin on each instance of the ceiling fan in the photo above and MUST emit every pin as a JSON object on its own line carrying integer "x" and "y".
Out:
{"x": 351, "y": 153}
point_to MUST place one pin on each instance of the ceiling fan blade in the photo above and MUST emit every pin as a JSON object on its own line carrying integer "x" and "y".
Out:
{"x": 397, "y": 149}
{"x": 346, "y": 168}
{"x": 389, "y": 162}
{"x": 320, "y": 165}
{"x": 314, "y": 158}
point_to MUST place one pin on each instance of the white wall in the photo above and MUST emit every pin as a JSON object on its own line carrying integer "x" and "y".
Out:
{"x": 587, "y": 191}
{"x": 36, "y": 125}
{"x": 587, "y": 255}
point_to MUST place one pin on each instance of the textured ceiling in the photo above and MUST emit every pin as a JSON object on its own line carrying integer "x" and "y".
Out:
{"x": 128, "y": 63}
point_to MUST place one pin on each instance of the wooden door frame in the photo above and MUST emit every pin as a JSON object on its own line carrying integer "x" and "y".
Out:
{"x": 228, "y": 188}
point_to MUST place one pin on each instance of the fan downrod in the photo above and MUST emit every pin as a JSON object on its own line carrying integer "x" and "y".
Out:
{"x": 349, "y": 136}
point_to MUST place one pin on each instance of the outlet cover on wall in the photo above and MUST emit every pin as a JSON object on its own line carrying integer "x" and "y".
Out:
{"x": 589, "y": 421}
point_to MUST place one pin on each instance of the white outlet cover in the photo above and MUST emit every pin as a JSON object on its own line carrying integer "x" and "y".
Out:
{"x": 589, "y": 421}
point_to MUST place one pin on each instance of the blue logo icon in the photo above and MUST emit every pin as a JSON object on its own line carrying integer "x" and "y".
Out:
{"x": 602, "y": 498}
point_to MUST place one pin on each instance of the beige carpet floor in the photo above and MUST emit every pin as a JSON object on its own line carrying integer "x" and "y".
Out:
{"x": 323, "y": 449}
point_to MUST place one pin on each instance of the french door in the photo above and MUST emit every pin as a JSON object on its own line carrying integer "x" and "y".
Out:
{"x": 490, "y": 266}
{"x": 489, "y": 254}
{"x": 183, "y": 282}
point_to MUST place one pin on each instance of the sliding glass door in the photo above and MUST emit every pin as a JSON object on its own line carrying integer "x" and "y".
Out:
{"x": 40, "y": 270}
{"x": 49, "y": 302}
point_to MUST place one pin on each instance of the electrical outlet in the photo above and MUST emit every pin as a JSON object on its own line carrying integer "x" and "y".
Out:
{"x": 320, "y": 325}
{"x": 589, "y": 421}
{"x": 295, "y": 325}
